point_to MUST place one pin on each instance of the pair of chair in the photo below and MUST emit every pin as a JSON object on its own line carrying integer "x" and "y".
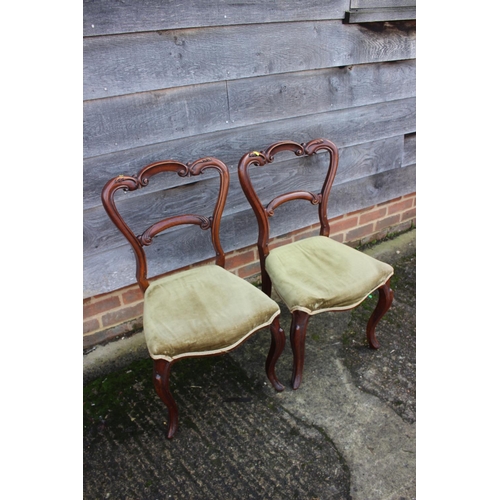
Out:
{"x": 207, "y": 310}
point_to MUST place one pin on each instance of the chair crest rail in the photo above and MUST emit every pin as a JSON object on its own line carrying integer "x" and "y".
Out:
{"x": 141, "y": 180}
{"x": 261, "y": 158}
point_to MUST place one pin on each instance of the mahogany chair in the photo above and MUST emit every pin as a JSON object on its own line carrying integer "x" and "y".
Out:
{"x": 202, "y": 311}
{"x": 316, "y": 274}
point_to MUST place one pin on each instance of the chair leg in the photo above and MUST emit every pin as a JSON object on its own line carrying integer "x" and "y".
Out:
{"x": 385, "y": 297}
{"x": 277, "y": 345}
{"x": 298, "y": 340}
{"x": 161, "y": 380}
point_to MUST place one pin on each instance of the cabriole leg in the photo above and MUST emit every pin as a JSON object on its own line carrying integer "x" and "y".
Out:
{"x": 277, "y": 345}
{"x": 298, "y": 340}
{"x": 161, "y": 380}
{"x": 385, "y": 297}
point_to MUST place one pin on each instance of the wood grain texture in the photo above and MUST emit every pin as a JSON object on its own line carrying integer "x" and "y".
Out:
{"x": 171, "y": 79}
{"x": 137, "y": 120}
{"x": 140, "y": 62}
{"x": 344, "y": 127}
{"x": 105, "y": 17}
{"x": 150, "y": 117}
{"x": 379, "y": 15}
{"x": 371, "y": 4}
{"x": 410, "y": 149}
{"x": 253, "y": 100}
{"x": 239, "y": 230}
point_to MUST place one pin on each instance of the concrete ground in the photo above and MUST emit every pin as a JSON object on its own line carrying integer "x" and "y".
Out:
{"x": 347, "y": 433}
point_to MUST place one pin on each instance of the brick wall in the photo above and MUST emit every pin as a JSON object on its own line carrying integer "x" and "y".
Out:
{"x": 115, "y": 314}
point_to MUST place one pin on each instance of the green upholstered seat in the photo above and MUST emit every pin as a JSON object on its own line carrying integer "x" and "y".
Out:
{"x": 319, "y": 274}
{"x": 202, "y": 311}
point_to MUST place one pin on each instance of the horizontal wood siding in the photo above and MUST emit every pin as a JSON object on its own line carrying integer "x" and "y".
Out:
{"x": 140, "y": 62}
{"x": 378, "y": 15}
{"x": 136, "y": 120}
{"x": 104, "y": 17}
{"x": 345, "y": 127}
{"x": 184, "y": 80}
{"x": 371, "y": 4}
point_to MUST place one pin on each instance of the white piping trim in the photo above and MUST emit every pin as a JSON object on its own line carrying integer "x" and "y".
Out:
{"x": 341, "y": 308}
{"x": 216, "y": 351}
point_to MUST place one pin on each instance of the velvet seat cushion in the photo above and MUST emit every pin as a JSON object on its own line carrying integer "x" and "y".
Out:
{"x": 202, "y": 311}
{"x": 319, "y": 274}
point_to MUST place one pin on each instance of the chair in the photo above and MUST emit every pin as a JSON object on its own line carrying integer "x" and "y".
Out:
{"x": 202, "y": 311}
{"x": 316, "y": 274}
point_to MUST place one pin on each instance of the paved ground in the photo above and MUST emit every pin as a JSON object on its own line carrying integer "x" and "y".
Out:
{"x": 347, "y": 433}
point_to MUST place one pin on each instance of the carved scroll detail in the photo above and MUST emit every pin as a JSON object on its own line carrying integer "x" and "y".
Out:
{"x": 314, "y": 198}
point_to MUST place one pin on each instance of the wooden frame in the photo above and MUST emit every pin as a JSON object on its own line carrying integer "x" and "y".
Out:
{"x": 263, "y": 213}
{"x": 140, "y": 180}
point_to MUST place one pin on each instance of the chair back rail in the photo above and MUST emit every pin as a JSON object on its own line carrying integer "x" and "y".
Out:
{"x": 263, "y": 213}
{"x": 141, "y": 180}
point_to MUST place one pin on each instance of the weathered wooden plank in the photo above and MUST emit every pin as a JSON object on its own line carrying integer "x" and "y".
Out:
{"x": 150, "y": 117}
{"x": 253, "y": 100}
{"x": 410, "y": 149}
{"x": 371, "y": 4}
{"x": 377, "y": 15}
{"x": 104, "y": 17}
{"x": 137, "y": 120}
{"x": 115, "y": 268}
{"x": 140, "y": 62}
{"x": 345, "y": 127}
{"x": 293, "y": 173}
{"x": 369, "y": 158}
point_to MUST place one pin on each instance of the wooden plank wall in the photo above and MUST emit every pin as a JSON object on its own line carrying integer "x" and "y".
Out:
{"x": 186, "y": 79}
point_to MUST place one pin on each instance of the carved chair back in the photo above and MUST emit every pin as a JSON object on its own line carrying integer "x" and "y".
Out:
{"x": 141, "y": 180}
{"x": 263, "y": 213}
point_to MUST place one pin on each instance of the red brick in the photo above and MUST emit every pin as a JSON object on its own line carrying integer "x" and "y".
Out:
{"x": 279, "y": 242}
{"x": 93, "y": 339}
{"x": 101, "y": 306}
{"x": 109, "y": 334}
{"x": 249, "y": 270}
{"x": 400, "y": 206}
{"x": 372, "y": 215}
{"x": 303, "y": 234}
{"x": 132, "y": 295}
{"x": 404, "y": 226}
{"x": 338, "y": 237}
{"x": 343, "y": 224}
{"x": 389, "y": 202}
{"x": 236, "y": 260}
{"x": 388, "y": 221}
{"x": 90, "y": 325}
{"x": 124, "y": 314}
{"x": 359, "y": 232}
{"x": 409, "y": 214}
{"x": 357, "y": 212}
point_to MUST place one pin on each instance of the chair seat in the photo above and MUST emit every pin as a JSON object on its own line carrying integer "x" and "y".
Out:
{"x": 319, "y": 274}
{"x": 202, "y": 311}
